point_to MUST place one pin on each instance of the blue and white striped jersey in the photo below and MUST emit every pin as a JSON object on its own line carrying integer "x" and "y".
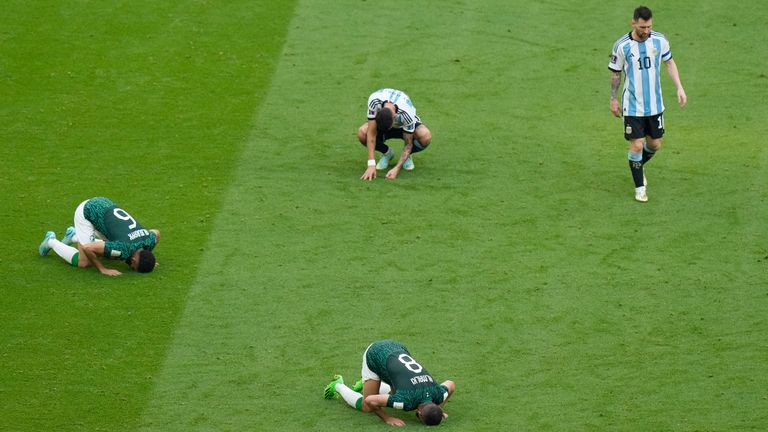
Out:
{"x": 641, "y": 63}
{"x": 406, "y": 117}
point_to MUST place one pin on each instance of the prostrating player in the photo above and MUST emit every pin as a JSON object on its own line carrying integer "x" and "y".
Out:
{"x": 392, "y": 378}
{"x": 104, "y": 229}
{"x": 391, "y": 114}
{"x": 639, "y": 54}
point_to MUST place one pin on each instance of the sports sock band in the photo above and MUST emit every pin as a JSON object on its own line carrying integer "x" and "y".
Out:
{"x": 67, "y": 253}
{"x": 636, "y": 167}
{"x": 351, "y": 397}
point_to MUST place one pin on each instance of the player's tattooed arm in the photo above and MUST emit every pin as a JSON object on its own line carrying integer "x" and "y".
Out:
{"x": 615, "y": 81}
{"x": 407, "y": 149}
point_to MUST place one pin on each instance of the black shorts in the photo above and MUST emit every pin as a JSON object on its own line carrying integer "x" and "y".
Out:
{"x": 641, "y": 127}
{"x": 396, "y": 133}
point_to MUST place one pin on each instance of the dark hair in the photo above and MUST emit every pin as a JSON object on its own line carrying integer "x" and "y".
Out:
{"x": 384, "y": 119}
{"x": 146, "y": 261}
{"x": 431, "y": 414}
{"x": 643, "y": 13}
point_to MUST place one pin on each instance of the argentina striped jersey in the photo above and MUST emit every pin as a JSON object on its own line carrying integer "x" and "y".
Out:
{"x": 641, "y": 62}
{"x": 406, "y": 117}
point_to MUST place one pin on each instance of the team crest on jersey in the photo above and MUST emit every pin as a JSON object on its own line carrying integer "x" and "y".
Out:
{"x": 654, "y": 51}
{"x": 628, "y": 130}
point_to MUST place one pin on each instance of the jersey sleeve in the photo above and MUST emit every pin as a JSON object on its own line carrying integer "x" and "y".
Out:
{"x": 442, "y": 396}
{"x": 120, "y": 249}
{"x": 616, "y": 63}
{"x": 112, "y": 250}
{"x": 408, "y": 117}
{"x": 374, "y": 105}
{"x": 396, "y": 401}
{"x": 666, "y": 53}
{"x": 151, "y": 241}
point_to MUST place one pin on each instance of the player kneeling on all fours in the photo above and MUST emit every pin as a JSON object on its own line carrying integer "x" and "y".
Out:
{"x": 104, "y": 229}
{"x": 391, "y": 114}
{"x": 392, "y": 378}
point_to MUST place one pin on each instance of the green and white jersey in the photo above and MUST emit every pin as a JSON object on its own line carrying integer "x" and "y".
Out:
{"x": 122, "y": 234}
{"x": 412, "y": 384}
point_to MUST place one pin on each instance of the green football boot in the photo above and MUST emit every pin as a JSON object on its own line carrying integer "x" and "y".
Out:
{"x": 330, "y": 389}
{"x": 358, "y": 387}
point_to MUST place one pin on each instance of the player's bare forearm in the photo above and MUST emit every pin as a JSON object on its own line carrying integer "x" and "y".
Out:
{"x": 370, "y": 143}
{"x": 388, "y": 419}
{"x": 407, "y": 149}
{"x": 673, "y": 73}
{"x": 102, "y": 269}
{"x": 371, "y": 146}
{"x": 615, "y": 82}
{"x": 90, "y": 255}
{"x": 157, "y": 235}
{"x": 375, "y": 403}
{"x": 614, "y": 105}
{"x": 675, "y": 76}
{"x": 451, "y": 386}
{"x": 382, "y": 415}
{"x": 371, "y": 139}
{"x": 93, "y": 258}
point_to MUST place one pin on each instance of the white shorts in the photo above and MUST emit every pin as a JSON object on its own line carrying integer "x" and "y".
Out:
{"x": 366, "y": 373}
{"x": 84, "y": 229}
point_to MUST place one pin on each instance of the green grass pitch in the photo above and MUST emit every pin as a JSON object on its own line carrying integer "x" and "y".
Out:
{"x": 513, "y": 260}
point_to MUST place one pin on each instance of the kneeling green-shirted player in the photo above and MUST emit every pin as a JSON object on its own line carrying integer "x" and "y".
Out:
{"x": 104, "y": 229}
{"x": 392, "y": 378}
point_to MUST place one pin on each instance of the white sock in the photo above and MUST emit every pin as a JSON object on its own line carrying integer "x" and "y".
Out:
{"x": 62, "y": 250}
{"x": 74, "y": 239}
{"x": 350, "y": 396}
